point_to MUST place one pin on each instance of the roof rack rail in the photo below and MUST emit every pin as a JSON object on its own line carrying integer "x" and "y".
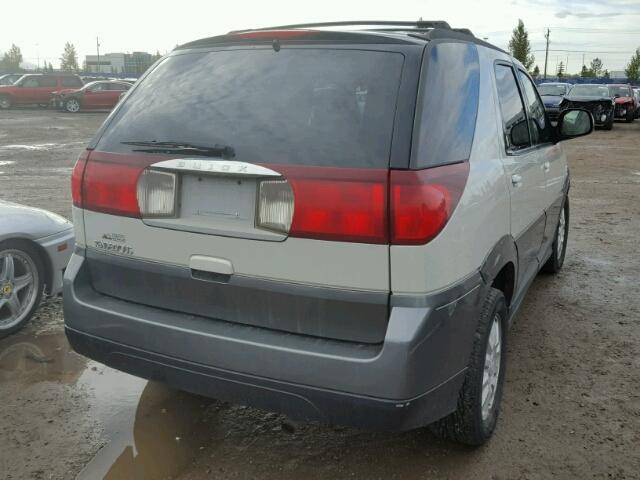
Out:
{"x": 417, "y": 25}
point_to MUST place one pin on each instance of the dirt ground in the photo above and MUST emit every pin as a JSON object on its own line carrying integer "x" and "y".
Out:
{"x": 571, "y": 404}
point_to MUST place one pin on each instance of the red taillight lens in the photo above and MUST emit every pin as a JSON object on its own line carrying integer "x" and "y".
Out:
{"x": 76, "y": 178}
{"x": 110, "y": 185}
{"x": 422, "y": 201}
{"x": 339, "y": 204}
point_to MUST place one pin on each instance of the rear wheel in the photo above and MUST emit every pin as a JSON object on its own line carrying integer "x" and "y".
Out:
{"x": 559, "y": 247}
{"x": 72, "y": 105}
{"x": 5, "y": 102}
{"x": 476, "y": 415}
{"x": 21, "y": 284}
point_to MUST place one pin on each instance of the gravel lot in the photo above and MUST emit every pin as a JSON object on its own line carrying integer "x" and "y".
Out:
{"x": 571, "y": 405}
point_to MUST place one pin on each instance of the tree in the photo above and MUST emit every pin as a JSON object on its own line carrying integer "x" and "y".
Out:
{"x": 560, "y": 72}
{"x": 585, "y": 72}
{"x": 536, "y": 72}
{"x": 69, "y": 59}
{"x": 633, "y": 67}
{"x": 13, "y": 58}
{"x": 606, "y": 74}
{"x": 520, "y": 47}
{"x": 596, "y": 67}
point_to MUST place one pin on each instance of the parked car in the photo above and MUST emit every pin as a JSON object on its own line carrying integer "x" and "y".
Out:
{"x": 552, "y": 94}
{"x": 35, "y": 246}
{"x": 626, "y": 103}
{"x": 594, "y": 98}
{"x": 36, "y": 89}
{"x": 94, "y": 95}
{"x": 340, "y": 234}
{"x": 9, "y": 78}
{"x": 636, "y": 93}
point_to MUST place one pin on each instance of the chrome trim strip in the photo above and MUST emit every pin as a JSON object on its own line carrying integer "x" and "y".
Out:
{"x": 215, "y": 167}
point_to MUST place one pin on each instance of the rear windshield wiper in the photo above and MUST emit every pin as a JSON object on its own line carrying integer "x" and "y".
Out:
{"x": 223, "y": 151}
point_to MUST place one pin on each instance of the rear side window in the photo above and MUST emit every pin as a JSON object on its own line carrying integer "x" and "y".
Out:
{"x": 71, "y": 82}
{"x": 295, "y": 106}
{"x": 510, "y": 100}
{"x": 448, "y": 105}
{"x": 117, "y": 87}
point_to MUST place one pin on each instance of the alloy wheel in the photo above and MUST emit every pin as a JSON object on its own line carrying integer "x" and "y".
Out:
{"x": 18, "y": 287}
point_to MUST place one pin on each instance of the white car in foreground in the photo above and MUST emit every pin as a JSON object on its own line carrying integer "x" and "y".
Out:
{"x": 35, "y": 246}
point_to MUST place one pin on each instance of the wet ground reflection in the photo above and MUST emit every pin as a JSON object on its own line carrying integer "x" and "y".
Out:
{"x": 147, "y": 430}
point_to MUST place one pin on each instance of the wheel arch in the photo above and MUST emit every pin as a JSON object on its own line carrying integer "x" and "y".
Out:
{"x": 500, "y": 267}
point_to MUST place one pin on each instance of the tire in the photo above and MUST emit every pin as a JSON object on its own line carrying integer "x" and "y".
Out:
{"x": 72, "y": 105}
{"x": 609, "y": 124}
{"x": 5, "y": 102}
{"x": 19, "y": 296}
{"x": 630, "y": 116}
{"x": 559, "y": 247}
{"x": 472, "y": 423}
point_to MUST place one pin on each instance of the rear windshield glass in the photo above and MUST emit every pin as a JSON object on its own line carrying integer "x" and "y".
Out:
{"x": 295, "y": 106}
{"x": 620, "y": 91}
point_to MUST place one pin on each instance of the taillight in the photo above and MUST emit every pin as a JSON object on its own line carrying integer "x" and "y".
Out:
{"x": 422, "y": 201}
{"x": 76, "y": 178}
{"x": 111, "y": 187}
{"x": 340, "y": 204}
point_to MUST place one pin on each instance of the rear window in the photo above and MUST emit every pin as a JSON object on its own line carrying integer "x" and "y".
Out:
{"x": 295, "y": 106}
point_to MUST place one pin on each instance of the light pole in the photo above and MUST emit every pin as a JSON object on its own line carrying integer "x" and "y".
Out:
{"x": 98, "y": 50}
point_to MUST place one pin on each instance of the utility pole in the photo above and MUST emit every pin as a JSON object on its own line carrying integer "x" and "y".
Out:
{"x": 98, "y": 50}
{"x": 546, "y": 55}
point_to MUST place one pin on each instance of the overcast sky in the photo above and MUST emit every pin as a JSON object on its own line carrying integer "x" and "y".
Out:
{"x": 608, "y": 29}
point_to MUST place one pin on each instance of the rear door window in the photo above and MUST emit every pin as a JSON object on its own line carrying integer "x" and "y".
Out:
{"x": 48, "y": 82}
{"x": 71, "y": 82}
{"x": 511, "y": 104}
{"x": 295, "y": 106}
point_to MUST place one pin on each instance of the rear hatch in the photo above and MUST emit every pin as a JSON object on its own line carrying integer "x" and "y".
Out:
{"x": 249, "y": 184}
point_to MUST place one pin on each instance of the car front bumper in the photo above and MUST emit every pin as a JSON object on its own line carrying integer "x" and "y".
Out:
{"x": 410, "y": 380}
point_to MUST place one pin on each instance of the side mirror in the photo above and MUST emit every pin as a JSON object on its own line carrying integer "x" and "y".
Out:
{"x": 573, "y": 123}
{"x": 520, "y": 134}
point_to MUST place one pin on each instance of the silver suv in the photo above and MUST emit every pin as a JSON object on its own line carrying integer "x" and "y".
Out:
{"x": 337, "y": 225}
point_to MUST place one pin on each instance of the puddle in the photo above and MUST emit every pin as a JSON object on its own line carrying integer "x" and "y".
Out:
{"x": 4, "y": 163}
{"x": 148, "y": 430}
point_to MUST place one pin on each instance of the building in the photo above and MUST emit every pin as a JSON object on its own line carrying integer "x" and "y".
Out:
{"x": 109, "y": 63}
{"x": 127, "y": 64}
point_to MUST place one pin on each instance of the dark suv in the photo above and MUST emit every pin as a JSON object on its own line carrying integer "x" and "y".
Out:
{"x": 339, "y": 225}
{"x": 36, "y": 89}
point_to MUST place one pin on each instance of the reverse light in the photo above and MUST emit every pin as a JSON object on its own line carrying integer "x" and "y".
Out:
{"x": 156, "y": 193}
{"x": 275, "y": 206}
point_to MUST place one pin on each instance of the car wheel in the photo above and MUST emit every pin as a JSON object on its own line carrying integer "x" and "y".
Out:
{"x": 476, "y": 415}
{"x": 630, "y": 116}
{"x": 5, "y": 102}
{"x": 609, "y": 124}
{"x": 559, "y": 247}
{"x": 72, "y": 105}
{"x": 21, "y": 284}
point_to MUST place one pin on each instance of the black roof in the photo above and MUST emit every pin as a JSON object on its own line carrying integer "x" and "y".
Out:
{"x": 378, "y": 31}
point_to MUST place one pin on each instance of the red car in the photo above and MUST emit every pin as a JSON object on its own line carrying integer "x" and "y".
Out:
{"x": 36, "y": 88}
{"x": 103, "y": 94}
{"x": 626, "y": 103}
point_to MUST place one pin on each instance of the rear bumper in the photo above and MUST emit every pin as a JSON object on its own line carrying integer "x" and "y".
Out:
{"x": 410, "y": 380}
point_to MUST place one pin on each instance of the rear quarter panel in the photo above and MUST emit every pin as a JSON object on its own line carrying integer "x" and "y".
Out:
{"x": 482, "y": 216}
